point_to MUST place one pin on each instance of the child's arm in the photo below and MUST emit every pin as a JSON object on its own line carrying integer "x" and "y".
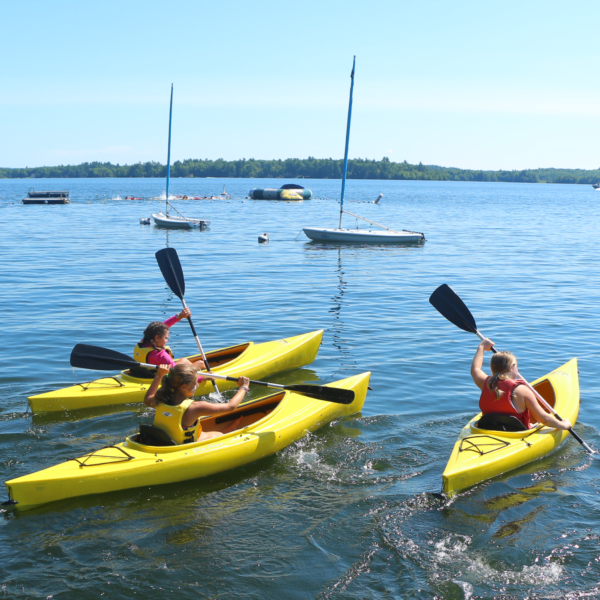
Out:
{"x": 201, "y": 408}
{"x": 538, "y": 412}
{"x": 477, "y": 372}
{"x": 150, "y": 397}
{"x": 186, "y": 313}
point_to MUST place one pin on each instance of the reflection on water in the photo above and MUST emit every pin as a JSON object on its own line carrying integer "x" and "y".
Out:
{"x": 524, "y": 494}
{"x": 514, "y": 527}
{"x": 337, "y": 327}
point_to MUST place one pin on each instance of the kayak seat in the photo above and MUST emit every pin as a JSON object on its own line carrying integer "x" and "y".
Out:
{"x": 153, "y": 436}
{"x": 497, "y": 422}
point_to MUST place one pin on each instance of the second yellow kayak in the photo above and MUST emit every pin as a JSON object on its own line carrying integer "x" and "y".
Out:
{"x": 255, "y": 361}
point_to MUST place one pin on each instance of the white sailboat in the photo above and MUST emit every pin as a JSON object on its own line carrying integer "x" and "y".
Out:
{"x": 360, "y": 236}
{"x": 167, "y": 220}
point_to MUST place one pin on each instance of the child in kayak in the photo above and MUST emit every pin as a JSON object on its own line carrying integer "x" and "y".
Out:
{"x": 153, "y": 347}
{"x": 506, "y": 393}
{"x": 177, "y": 414}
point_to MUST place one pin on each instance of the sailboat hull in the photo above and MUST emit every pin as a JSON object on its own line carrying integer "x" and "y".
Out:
{"x": 358, "y": 236}
{"x": 171, "y": 222}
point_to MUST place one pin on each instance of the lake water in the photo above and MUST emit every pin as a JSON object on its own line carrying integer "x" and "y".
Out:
{"x": 349, "y": 511}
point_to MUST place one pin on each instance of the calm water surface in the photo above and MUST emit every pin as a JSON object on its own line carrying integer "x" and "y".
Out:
{"x": 349, "y": 511}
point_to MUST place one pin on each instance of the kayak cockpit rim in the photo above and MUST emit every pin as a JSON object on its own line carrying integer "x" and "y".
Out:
{"x": 545, "y": 389}
{"x": 217, "y": 358}
{"x": 249, "y": 411}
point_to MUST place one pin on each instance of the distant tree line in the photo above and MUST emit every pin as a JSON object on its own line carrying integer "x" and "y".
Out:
{"x": 313, "y": 168}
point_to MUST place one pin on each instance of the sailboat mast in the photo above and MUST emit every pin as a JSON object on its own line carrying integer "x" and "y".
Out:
{"x": 169, "y": 155}
{"x": 347, "y": 143}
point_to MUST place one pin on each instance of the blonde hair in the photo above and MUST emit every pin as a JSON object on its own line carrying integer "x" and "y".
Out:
{"x": 178, "y": 376}
{"x": 501, "y": 364}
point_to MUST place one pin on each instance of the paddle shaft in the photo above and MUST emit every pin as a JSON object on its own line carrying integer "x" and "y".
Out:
{"x": 85, "y": 356}
{"x": 327, "y": 394}
{"x": 199, "y": 345}
{"x": 196, "y": 337}
{"x": 180, "y": 294}
{"x": 227, "y": 378}
{"x": 542, "y": 401}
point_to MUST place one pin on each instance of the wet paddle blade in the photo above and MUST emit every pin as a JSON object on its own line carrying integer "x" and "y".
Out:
{"x": 85, "y": 356}
{"x": 170, "y": 267}
{"x": 321, "y": 392}
{"x": 448, "y": 304}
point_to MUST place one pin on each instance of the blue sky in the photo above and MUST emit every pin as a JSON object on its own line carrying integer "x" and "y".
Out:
{"x": 490, "y": 85}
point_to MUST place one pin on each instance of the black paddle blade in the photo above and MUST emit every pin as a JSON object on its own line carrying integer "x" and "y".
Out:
{"x": 85, "y": 356}
{"x": 320, "y": 392}
{"x": 448, "y": 304}
{"x": 170, "y": 267}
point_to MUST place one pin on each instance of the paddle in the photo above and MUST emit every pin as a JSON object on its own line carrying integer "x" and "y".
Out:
{"x": 85, "y": 356}
{"x": 449, "y": 305}
{"x": 170, "y": 267}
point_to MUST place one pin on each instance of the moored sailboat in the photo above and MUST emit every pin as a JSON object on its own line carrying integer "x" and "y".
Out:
{"x": 166, "y": 220}
{"x": 362, "y": 236}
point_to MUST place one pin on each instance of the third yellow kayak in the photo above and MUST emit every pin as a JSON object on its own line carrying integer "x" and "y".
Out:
{"x": 481, "y": 454}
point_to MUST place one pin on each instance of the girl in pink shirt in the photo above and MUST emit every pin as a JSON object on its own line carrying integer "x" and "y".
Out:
{"x": 153, "y": 347}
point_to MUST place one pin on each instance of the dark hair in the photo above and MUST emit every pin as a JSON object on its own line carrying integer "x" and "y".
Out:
{"x": 155, "y": 328}
{"x": 501, "y": 364}
{"x": 179, "y": 375}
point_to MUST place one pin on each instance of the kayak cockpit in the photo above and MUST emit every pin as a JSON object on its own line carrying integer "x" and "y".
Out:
{"x": 218, "y": 358}
{"x": 153, "y": 439}
{"x": 509, "y": 423}
{"x": 546, "y": 390}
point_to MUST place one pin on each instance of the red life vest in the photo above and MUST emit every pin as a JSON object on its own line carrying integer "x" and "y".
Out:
{"x": 503, "y": 406}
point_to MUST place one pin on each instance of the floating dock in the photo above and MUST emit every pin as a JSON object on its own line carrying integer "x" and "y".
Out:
{"x": 34, "y": 197}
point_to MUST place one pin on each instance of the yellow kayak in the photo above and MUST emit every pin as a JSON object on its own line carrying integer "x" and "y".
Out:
{"x": 255, "y": 361}
{"x": 268, "y": 425}
{"x": 481, "y": 454}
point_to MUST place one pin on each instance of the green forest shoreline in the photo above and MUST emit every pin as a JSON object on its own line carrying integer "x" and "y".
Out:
{"x": 309, "y": 168}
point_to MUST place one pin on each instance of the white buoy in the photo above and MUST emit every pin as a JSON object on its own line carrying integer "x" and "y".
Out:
{"x": 378, "y": 199}
{"x": 263, "y": 238}
{"x": 145, "y": 221}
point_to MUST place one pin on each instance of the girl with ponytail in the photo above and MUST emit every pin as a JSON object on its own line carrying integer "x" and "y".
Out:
{"x": 505, "y": 392}
{"x": 177, "y": 413}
